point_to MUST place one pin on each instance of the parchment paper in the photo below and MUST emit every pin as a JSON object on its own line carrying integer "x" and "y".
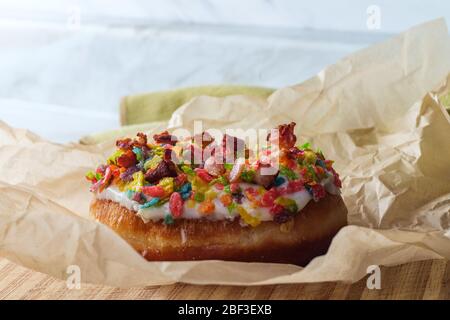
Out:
{"x": 371, "y": 112}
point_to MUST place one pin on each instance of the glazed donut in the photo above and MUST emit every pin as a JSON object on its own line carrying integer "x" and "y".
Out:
{"x": 170, "y": 211}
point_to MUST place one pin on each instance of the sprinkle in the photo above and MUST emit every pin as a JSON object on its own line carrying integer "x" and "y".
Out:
{"x": 228, "y": 166}
{"x": 150, "y": 203}
{"x": 227, "y": 189}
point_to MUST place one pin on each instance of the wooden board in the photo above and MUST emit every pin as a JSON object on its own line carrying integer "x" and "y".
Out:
{"x": 419, "y": 280}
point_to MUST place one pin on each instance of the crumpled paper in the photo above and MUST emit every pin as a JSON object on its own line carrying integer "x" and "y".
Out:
{"x": 371, "y": 112}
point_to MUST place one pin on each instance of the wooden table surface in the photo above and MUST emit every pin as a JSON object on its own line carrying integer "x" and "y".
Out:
{"x": 419, "y": 280}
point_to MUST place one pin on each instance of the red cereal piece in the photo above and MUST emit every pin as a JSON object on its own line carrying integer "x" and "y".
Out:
{"x": 276, "y": 209}
{"x": 176, "y": 205}
{"x": 154, "y": 191}
{"x": 269, "y": 197}
{"x": 219, "y": 186}
{"x": 294, "y": 186}
{"x": 235, "y": 188}
{"x": 204, "y": 175}
{"x": 181, "y": 179}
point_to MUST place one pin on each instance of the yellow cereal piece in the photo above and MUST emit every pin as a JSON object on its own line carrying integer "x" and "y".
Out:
{"x": 152, "y": 163}
{"x": 248, "y": 218}
{"x": 113, "y": 158}
{"x": 190, "y": 203}
{"x": 198, "y": 185}
{"x": 167, "y": 185}
{"x": 310, "y": 157}
{"x": 210, "y": 195}
{"x": 137, "y": 183}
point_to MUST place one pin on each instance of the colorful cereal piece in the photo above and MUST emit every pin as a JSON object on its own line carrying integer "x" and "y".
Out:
{"x": 167, "y": 184}
{"x": 206, "y": 207}
{"x": 247, "y": 218}
{"x": 204, "y": 175}
{"x": 226, "y": 199}
{"x": 154, "y": 191}
{"x": 152, "y": 163}
{"x": 288, "y": 204}
{"x": 150, "y": 203}
{"x": 176, "y": 204}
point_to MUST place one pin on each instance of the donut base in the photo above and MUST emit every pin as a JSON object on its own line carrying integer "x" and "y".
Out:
{"x": 309, "y": 235}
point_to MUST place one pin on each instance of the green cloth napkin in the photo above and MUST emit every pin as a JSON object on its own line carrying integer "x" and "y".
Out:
{"x": 144, "y": 112}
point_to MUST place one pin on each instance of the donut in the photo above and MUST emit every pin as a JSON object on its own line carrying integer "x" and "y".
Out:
{"x": 183, "y": 199}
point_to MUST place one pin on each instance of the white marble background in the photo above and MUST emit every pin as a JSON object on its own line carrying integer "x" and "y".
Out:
{"x": 65, "y": 64}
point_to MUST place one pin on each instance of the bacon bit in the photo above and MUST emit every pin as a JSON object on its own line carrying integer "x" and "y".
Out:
{"x": 124, "y": 144}
{"x": 176, "y": 205}
{"x": 126, "y": 160}
{"x": 204, "y": 175}
{"x": 141, "y": 139}
{"x": 165, "y": 138}
{"x": 164, "y": 169}
{"x": 285, "y": 135}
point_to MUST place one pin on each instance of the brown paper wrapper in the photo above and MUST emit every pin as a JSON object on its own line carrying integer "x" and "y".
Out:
{"x": 371, "y": 112}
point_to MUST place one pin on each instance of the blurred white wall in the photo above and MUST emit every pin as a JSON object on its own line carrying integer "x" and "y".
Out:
{"x": 65, "y": 64}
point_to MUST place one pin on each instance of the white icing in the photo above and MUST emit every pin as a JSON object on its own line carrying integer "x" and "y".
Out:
{"x": 220, "y": 213}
